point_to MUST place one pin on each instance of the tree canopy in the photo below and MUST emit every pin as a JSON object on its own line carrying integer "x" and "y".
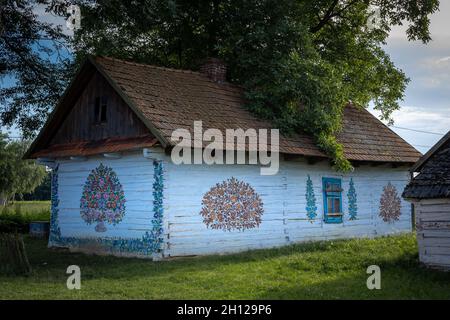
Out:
{"x": 299, "y": 61}
{"x": 34, "y": 65}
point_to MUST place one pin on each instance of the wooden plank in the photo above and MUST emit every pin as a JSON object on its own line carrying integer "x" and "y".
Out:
{"x": 437, "y": 251}
{"x": 435, "y": 207}
{"x": 434, "y": 233}
{"x": 79, "y": 124}
{"x": 436, "y": 259}
{"x": 435, "y": 242}
{"x": 434, "y": 216}
{"x": 433, "y": 225}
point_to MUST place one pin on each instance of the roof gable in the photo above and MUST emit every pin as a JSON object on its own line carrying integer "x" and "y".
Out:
{"x": 54, "y": 140}
{"x": 433, "y": 181}
{"x": 422, "y": 161}
{"x": 83, "y": 122}
{"x": 168, "y": 99}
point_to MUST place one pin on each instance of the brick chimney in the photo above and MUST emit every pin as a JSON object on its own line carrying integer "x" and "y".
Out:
{"x": 215, "y": 69}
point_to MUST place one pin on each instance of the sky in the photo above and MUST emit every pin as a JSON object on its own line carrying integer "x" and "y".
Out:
{"x": 426, "y": 106}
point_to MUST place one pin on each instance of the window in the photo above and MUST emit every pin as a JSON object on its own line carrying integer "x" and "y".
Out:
{"x": 332, "y": 198}
{"x": 100, "y": 110}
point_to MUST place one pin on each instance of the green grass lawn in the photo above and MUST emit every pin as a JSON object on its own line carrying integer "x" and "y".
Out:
{"x": 325, "y": 270}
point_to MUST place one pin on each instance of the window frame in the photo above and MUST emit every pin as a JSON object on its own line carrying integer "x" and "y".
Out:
{"x": 334, "y": 195}
{"x": 100, "y": 110}
{"x": 103, "y": 116}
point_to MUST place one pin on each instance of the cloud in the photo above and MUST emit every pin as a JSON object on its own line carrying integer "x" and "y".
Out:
{"x": 428, "y": 67}
{"x": 419, "y": 118}
{"x": 444, "y": 60}
{"x": 422, "y": 119}
{"x": 49, "y": 17}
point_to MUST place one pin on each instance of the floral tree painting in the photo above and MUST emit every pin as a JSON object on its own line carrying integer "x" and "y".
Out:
{"x": 352, "y": 206}
{"x": 390, "y": 204}
{"x": 103, "y": 199}
{"x": 311, "y": 207}
{"x": 232, "y": 205}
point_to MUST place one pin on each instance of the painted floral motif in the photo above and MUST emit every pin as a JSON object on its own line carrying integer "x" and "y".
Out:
{"x": 232, "y": 205}
{"x": 390, "y": 204}
{"x": 155, "y": 239}
{"x": 102, "y": 199}
{"x": 352, "y": 206}
{"x": 55, "y": 232}
{"x": 148, "y": 244}
{"x": 311, "y": 207}
{"x": 143, "y": 246}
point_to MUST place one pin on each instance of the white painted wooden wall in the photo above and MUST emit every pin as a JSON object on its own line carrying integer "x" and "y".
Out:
{"x": 135, "y": 173}
{"x": 284, "y": 220}
{"x": 433, "y": 232}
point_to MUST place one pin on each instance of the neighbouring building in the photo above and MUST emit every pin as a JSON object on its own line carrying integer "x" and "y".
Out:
{"x": 429, "y": 191}
{"x": 115, "y": 188}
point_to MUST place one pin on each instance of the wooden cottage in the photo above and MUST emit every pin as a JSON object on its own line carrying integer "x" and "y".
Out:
{"x": 115, "y": 188}
{"x": 429, "y": 191}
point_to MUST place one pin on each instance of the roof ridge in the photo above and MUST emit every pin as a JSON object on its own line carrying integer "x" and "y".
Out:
{"x": 149, "y": 65}
{"x": 419, "y": 164}
{"x": 152, "y": 66}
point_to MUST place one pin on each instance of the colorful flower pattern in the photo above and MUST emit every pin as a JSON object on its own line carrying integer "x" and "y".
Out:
{"x": 155, "y": 238}
{"x": 352, "y": 197}
{"x": 103, "y": 199}
{"x": 151, "y": 242}
{"x": 55, "y": 232}
{"x": 232, "y": 205}
{"x": 311, "y": 207}
{"x": 390, "y": 204}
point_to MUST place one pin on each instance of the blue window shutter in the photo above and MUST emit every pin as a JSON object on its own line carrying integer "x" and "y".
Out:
{"x": 332, "y": 194}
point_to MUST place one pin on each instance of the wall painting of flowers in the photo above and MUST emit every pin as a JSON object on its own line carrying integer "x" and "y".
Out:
{"x": 232, "y": 205}
{"x": 103, "y": 200}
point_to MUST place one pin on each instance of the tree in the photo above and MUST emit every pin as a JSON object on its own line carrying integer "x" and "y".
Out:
{"x": 17, "y": 176}
{"x": 34, "y": 65}
{"x": 299, "y": 61}
{"x": 42, "y": 191}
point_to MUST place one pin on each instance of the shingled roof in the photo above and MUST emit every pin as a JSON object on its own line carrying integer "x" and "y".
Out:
{"x": 433, "y": 181}
{"x": 168, "y": 99}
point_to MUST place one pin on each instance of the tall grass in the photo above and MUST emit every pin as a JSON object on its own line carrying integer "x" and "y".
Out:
{"x": 17, "y": 216}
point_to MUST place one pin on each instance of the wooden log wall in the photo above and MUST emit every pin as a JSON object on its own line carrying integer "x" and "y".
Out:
{"x": 135, "y": 174}
{"x": 284, "y": 220}
{"x": 433, "y": 232}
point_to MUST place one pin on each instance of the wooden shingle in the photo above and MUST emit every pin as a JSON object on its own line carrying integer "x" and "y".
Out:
{"x": 433, "y": 181}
